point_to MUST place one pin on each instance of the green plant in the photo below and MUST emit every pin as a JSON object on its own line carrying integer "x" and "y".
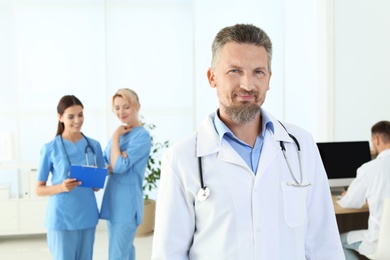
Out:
{"x": 153, "y": 167}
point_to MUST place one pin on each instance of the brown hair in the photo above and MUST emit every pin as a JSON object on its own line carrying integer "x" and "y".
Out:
{"x": 63, "y": 104}
{"x": 382, "y": 128}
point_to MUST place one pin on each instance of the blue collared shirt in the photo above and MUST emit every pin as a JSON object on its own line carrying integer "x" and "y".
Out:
{"x": 251, "y": 155}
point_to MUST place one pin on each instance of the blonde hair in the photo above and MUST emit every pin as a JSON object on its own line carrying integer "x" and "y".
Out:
{"x": 129, "y": 95}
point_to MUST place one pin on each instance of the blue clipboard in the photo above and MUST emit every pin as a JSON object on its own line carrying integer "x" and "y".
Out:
{"x": 89, "y": 176}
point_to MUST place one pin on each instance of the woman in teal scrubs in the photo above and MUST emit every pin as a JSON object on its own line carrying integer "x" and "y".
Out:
{"x": 127, "y": 154}
{"x": 72, "y": 212}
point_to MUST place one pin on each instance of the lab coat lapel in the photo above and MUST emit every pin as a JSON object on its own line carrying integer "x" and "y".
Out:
{"x": 268, "y": 153}
{"x": 271, "y": 146}
{"x": 207, "y": 138}
{"x": 208, "y": 142}
{"x": 228, "y": 154}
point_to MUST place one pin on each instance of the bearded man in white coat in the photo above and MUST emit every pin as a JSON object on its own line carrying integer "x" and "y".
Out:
{"x": 239, "y": 188}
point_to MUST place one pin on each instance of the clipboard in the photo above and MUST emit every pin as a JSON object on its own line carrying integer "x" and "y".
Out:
{"x": 92, "y": 177}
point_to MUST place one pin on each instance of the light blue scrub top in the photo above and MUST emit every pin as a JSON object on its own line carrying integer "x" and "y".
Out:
{"x": 123, "y": 200}
{"x": 76, "y": 209}
{"x": 250, "y": 155}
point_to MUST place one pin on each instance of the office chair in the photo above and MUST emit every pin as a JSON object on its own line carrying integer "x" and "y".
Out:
{"x": 383, "y": 249}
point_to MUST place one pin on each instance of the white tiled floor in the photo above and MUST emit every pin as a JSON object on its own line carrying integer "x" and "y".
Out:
{"x": 34, "y": 247}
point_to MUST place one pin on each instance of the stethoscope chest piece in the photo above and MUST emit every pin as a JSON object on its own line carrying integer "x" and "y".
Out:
{"x": 203, "y": 194}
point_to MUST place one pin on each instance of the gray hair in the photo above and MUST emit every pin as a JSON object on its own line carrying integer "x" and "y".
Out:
{"x": 241, "y": 33}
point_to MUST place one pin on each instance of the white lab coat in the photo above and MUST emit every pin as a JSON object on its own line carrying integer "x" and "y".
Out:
{"x": 371, "y": 185}
{"x": 246, "y": 216}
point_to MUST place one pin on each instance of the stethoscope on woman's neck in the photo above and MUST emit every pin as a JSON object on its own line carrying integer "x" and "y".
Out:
{"x": 204, "y": 191}
{"x": 86, "y": 150}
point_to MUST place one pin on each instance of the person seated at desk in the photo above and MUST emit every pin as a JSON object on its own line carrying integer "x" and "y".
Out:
{"x": 372, "y": 184}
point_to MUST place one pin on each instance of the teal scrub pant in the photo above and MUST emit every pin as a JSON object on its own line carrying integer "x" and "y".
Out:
{"x": 121, "y": 239}
{"x": 71, "y": 244}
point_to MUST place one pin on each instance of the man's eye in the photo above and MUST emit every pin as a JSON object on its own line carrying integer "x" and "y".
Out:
{"x": 234, "y": 71}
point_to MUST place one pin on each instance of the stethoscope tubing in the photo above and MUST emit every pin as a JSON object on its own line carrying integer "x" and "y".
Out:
{"x": 201, "y": 172}
{"x": 86, "y": 151}
{"x": 204, "y": 191}
{"x": 283, "y": 148}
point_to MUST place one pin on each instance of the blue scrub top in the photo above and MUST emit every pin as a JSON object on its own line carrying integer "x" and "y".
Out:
{"x": 123, "y": 196}
{"x": 76, "y": 209}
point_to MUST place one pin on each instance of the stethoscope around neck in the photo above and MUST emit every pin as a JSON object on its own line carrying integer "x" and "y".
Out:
{"x": 295, "y": 182}
{"x": 204, "y": 191}
{"x": 86, "y": 151}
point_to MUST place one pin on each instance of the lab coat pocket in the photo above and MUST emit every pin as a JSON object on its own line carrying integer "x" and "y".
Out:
{"x": 294, "y": 204}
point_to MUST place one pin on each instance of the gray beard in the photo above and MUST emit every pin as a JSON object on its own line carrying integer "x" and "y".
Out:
{"x": 243, "y": 114}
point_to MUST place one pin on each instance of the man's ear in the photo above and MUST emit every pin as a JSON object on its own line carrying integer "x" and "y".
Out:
{"x": 211, "y": 78}
{"x": 376, "y": 140}
{"x": 269, "y": 79}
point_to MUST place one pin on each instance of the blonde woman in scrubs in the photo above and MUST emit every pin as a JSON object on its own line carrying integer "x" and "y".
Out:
{"x": 127, "y": 154}
{"x": 72, "y": 212}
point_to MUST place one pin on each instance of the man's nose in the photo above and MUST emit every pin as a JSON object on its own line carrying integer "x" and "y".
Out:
{"x": 247, "y": 82}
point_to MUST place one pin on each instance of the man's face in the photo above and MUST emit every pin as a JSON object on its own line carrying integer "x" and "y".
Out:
{"x": 241, "y": 78}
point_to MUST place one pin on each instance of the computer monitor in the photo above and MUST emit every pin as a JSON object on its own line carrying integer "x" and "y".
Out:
{"x": 342, "y": 159}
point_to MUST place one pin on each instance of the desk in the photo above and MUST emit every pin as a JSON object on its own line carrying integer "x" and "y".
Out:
{"x": 350, "y": 219}
{"x": 340, "y": 210}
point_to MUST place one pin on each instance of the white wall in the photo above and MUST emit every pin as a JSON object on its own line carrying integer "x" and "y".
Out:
{"x": 303, "y": 78}
{"x": 362, "y": 54}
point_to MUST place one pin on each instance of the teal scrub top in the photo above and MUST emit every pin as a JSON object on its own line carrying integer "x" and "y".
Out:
{"x": 76, "y": 209}
{"x": 123, "y": 196}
